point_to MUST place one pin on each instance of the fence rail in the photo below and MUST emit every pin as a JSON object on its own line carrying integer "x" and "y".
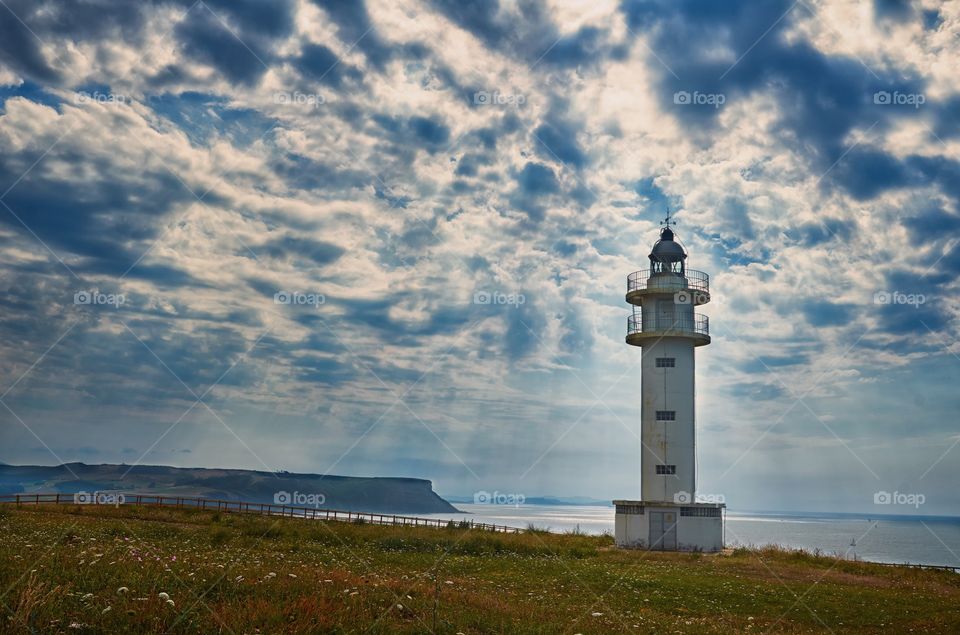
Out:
{"x": 642, "y": 322}
{"x": 267, "y": 509}
{"x": 939, "y": 567}
{"x": 690, "y": 280}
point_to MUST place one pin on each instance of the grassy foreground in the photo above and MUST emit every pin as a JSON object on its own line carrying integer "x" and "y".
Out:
{"x": 81, "y": 569}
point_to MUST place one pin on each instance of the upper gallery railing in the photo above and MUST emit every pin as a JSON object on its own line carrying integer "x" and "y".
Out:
{"x": 668, "y": 281}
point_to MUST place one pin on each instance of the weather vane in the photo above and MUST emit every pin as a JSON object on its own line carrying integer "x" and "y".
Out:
{"x": 666, "y": 222}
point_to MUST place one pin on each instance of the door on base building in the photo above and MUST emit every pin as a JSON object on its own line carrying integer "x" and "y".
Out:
{"x": 663, "y": 531}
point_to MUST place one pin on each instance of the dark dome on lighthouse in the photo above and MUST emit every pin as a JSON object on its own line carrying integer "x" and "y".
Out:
{"x": 667, "y": 251}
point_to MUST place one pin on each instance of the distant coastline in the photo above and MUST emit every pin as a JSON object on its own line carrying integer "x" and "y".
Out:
{"x": 397, "y": 495}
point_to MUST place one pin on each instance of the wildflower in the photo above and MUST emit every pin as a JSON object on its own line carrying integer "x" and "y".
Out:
{"x": 122, "y": 590}
{"x": 163, "y": 595}
{"x": 105, "y": 611}
{"x": 170, "y": 603}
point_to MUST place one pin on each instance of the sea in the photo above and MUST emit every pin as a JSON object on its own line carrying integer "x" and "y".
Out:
{"x": 924, "y": 540}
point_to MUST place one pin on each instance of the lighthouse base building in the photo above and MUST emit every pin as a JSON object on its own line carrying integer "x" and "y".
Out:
{"x": 669, "y": 516}
{"x": 669, "y": 526}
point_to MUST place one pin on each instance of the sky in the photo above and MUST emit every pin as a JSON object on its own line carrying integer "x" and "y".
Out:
{"x": 391, "y": 238}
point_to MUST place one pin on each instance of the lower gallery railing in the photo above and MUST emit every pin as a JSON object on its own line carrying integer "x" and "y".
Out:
{"x": 640, "y": 322}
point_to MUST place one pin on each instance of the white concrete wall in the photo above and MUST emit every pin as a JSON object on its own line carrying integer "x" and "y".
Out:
{"x": 667, "y": 442}
{"x": 700, "y": 533}
{"x": 694, "y": 533}
{"x": 631, "y": 530}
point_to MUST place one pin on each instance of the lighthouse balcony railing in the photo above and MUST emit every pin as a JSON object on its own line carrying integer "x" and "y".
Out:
{"x": 693, "y": 323}
{"x": 691, "y": 280}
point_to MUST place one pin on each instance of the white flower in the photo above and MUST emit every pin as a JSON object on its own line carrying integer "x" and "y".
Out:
{"x": 122, "y": 590}
{"x": 163, "y": 596}
{"x": 170, "y": 603}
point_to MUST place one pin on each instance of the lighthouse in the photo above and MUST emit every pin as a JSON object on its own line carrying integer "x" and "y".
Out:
{"x": 666, "y": 327}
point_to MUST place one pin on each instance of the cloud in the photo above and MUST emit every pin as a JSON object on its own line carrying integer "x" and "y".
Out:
{"x": 323, "y": 65}
{"x": 320, "y": 252}
{"x": 534, "y": 182}
{"x": 355, "y": 28}
{"x": 527, "y": 32}
{"x": 206, "y": 39}
{"x": 148, "y": 152}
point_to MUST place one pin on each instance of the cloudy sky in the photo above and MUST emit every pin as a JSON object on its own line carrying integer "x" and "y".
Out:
{"x": 451, "y": 194}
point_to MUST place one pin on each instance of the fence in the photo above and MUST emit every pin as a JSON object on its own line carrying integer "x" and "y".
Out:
{"x": 940, "y": 567}
{"x": 266, "y": 509}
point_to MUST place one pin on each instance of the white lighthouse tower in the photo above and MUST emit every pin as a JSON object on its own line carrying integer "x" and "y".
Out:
{"x": 666, "y": 328}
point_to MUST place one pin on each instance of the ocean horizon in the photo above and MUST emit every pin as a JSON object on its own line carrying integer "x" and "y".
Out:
{"x": 887, "y": 538}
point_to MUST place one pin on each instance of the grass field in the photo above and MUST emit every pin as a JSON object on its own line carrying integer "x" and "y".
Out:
{"x": 84, "y": 569}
